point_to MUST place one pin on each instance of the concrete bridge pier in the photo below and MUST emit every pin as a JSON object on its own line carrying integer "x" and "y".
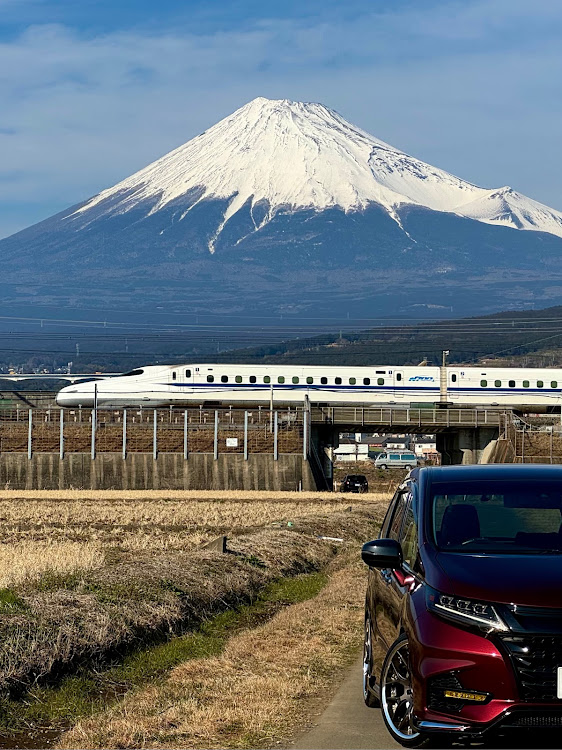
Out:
{"x": 465, "y": 445}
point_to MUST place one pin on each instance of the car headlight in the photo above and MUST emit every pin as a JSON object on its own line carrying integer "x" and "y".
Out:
{"x": 467, "y": 611}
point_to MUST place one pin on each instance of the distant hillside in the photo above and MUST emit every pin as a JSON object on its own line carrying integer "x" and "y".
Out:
{"x": 528, "y": 338}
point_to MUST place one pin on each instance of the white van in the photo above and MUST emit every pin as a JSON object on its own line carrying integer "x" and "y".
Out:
{"x": 396, "y": 460}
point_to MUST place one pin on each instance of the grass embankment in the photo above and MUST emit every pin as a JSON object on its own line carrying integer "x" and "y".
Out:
{"x": 79, "y": 621}
{"x": 50, "y": 709}
{"x": 381, "y": 481}
{"x": 255, "y": 694}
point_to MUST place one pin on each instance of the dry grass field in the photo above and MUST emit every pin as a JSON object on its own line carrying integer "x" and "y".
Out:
{"x": 71, "y": 530}
{"x": 88, "y": 576}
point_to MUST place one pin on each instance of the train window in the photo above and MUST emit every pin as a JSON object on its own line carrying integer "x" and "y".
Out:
{"x": 174, "y": 375}
{"x": 188, "y": 373}
{"x": 453, "y": 378}
{"x": 224, "y": 378}
{"x": 380, "y": 381}
{"x": 324, "y": 381}
{"x": 483, "y": 383}
{"x": 526, "y": 384}
{"x": 266, "y": 379}
{"x": 295, "y": 379}
{"x": 511, "y": 383}
{"x": 238, "y": 378}
{"x": 132, "y": 372}
{"x": 398, "y": 376}
{"x": 498, "y": 383}
{"x": 280, "y": 379}
{"x": 253, "y": 379}
{"x": 337, "y": 381}
{"x": 540, "y": 384}
{"x": 310, "y": 380}
{"x": 366, "y": 381}
{"x": 210, "y": 378}
{"x": 352, "y": 381}
{"x": 554, "y": 384}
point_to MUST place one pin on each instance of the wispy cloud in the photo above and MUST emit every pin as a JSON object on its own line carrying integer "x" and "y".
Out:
{"x": 469, "y": 86}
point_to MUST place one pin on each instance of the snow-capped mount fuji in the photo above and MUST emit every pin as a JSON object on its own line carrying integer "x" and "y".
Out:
{"x": 293, "y": 155}
{"x": 285, "y": 208}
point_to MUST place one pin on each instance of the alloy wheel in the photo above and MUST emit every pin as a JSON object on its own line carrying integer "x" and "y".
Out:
{"x": 397, "y": 700}
{"x": 368, "y": 696}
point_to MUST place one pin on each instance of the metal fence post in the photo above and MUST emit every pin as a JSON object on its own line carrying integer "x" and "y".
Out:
{"x": 61, "y": 436}
{"x": 185, "y": 435}
{"x": 275, "y": 437}
{"x": 304, "y": 435}
{"x": 154, "y": 435}
{"x": 216, "y": 440}
{"x": 124, "y": 434}
{"x": 94, "y": 418}
{"x": 29, "y": 431}
{"x": 245, "y": 436}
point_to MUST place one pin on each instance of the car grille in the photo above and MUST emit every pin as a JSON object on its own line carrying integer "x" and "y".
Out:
{"x": 536, "y": 721}
{"x": 535, "y": 659}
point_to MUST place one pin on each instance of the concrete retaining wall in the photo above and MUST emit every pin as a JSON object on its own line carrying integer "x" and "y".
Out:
{"x": 140, "y": 471}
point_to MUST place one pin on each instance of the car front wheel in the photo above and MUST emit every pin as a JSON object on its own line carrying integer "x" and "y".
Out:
{"x": 383, "y": 466}
{"x": 396, "y": 695}
{"x": 368, "y": 696}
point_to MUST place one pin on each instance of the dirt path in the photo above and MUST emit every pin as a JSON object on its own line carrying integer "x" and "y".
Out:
{"x": 346, "y": 722}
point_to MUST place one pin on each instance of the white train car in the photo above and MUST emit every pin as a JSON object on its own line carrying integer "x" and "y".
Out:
{"x": 237, "y": 385}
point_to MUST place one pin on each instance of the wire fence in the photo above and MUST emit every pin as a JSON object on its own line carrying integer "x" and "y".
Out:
{"x": 154, "y": 431}
{"x": 531, "y": 444}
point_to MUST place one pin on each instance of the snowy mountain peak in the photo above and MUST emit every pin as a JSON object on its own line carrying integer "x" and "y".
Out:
{"x": 294, "y": 155}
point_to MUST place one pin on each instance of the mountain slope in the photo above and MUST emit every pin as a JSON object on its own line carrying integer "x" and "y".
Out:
{"x": 285, "y": 208}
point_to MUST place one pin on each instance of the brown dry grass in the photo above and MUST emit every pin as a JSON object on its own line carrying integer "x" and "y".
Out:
{"x": 105, "y": 569}
{"x": 29, "y": 560}
{"x": 240, "y": 495}
{"x": 60, "y": 529}
{"x": 254, "y": 694}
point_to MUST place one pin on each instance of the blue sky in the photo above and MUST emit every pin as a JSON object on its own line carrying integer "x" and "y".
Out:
{"x": 91, "y": 91}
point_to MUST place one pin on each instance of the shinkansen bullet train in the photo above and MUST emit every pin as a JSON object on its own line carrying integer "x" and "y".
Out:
{"x": 237, "y": 385}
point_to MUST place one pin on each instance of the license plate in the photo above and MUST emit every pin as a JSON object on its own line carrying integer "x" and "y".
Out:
{"x": 559, "y": 682}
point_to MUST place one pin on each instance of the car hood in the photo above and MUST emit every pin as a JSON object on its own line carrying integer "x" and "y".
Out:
{"x": 532, "y": 580}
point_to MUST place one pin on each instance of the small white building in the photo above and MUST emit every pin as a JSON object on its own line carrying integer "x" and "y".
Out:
{"x": 352, "y": 452}
{"x": 425, "y": 445}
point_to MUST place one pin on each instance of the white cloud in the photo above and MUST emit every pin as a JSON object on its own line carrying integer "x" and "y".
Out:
{"x": 470, "y": 86}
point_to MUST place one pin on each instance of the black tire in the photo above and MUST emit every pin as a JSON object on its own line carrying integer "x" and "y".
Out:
{"x": 369, "y": 696}
{"x": 408, "y": 467}
{"x": 383, "y": 466}
{"x": 396, "y": 697}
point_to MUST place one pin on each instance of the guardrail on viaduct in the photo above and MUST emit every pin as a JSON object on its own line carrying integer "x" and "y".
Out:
{"x": 403, "y": 416}
{"x": 179, "y": 431}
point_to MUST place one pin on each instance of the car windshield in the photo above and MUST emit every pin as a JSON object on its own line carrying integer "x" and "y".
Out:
{"x": 355, "y": 478}
{"x": 497, "y": 517}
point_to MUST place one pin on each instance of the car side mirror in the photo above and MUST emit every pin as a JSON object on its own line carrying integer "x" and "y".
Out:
{"x": 382, "y": 553}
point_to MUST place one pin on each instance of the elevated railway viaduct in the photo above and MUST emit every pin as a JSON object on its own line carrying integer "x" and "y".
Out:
{"x": 196, "y": 448}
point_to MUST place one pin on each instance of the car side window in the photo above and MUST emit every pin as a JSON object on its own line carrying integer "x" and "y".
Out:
{"x": 409, "y": 536}
{"x": 396, "y": 522}
{"x": 388, "y": 517}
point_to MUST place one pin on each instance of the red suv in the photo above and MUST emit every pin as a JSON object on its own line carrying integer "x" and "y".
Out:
{"x": 463, "y": 615}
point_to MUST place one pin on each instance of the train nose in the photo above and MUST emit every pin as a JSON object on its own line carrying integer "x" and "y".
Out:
{"x": 73, "y": 396}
